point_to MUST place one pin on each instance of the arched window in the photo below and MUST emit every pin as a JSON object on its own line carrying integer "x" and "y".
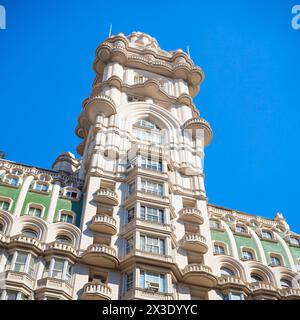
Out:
{"x": 17, "y": 172}
{"x": 293, "y": 240}
{"x": 267, "y": 234}
{"x": 285, "y": 283}
{"x": 247, "y": 254}
{"x": 4, "y": 204}
{"x": 240, "y": 229}
{"x": 256, "y": 277}
{"x": 66, "y": 216}
{"x": 63, "y": 239}
{"x": 44, "y": 177}
{"x": 219, "y": 249}
{"x": 276, "y": 261}
{"x": 225, "y": 271}
{"x": 35, "y": 211}
{"x": 30, "y": 233}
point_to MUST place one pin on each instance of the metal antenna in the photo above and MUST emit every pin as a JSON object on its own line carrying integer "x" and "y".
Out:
{"x": 188, "y": 51}
{"x": 110, "y": 28}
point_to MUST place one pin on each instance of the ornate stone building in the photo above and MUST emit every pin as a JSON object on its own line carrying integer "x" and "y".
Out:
{"x": 130, "y": 219}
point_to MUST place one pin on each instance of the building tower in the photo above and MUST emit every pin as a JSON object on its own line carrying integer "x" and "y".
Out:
{"x": 130, "y": 218}
{"x": 145, "y": 218}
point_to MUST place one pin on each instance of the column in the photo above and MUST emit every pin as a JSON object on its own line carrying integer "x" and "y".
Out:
{"x": 53, "y": 201}
{"x": 22, "y": 195}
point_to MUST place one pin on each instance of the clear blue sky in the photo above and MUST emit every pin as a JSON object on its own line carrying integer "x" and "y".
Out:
{"x": 247, "y": 49}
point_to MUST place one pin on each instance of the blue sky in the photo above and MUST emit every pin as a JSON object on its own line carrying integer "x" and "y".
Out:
{"x": 247, "y": 49}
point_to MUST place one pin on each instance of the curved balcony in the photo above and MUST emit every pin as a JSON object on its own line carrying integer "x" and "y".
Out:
{"x": 99, "y": 104}
{"x": 229, "y": 282}
{"x": 106, "y": 196}
{"x": 290, "y": 293}
{"x": 18, "y": 278}
{"x": 104, "y": 224}
{"x": 26, "y": 242}
{"x": 96, "y": 291}
{"x": 197, "y": 124}
{"x": 200, "y": 275}
{"x": 191, "y": 215}
{"x": 61, "y": 248}
{"x": 263, "y": 288}
{"x": 53, "y": 285}
{"x": 194, "y": 242}
{"x": 100, "y": 255}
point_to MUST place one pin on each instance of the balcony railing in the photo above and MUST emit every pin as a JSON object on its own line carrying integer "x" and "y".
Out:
{"x": 194, "y": 242}
{"x": 104, "y": 223}
{"x": 95, "y": 291}
{"x": 106, "y": 196}
{"x": 191, "y": 214}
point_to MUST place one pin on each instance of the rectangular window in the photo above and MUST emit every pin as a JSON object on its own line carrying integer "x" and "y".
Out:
{"x": 58, "y": 269}
{"x": 131, "y": 188}
{"x": 152, "y": 280}
{"x": 151, "y": 164}
{"x": 152, "y": 245}
{"x": 129, "y": 281}
{"x": 152, "y": 187}
{"x": 152, "y": 214}
{"x": 130, "y": 215}
{"x": 11, "y": 295}
{"x": 20, "y": 262}
{"x": 129, "y": 245}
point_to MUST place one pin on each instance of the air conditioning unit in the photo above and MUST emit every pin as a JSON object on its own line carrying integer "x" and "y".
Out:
{"x": 153, "y": 286}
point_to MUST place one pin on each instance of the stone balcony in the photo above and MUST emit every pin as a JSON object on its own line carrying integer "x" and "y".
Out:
{"x": 99, "y": 104}
{"x": 229, "y": 282}
{"x": 194, "y": 242}
{"x": 147, "y": 225}
{"x": 290, "y": 293}
{"x": 104, "y": 224}
{"x": 106, "y": 196}
{"x": 61, "y": 248}
{"x": 191, "y": 215}
{"x": 19, "y": 279}
{"x": 260, "y": 288}
{"x": 145, "y": 294}
{"x": 57, "y": 286}
{"x": 199, "y": 125}
{"x": 140, "y": 256}
{"x": 96, "y": 291}
{"x": 199, "y": 274}
{"x": 100, "y": 255}
{"x": 26, "y": 242}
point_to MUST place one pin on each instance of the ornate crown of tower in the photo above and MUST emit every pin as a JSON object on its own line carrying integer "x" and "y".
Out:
{"x": 134, "y": 69}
